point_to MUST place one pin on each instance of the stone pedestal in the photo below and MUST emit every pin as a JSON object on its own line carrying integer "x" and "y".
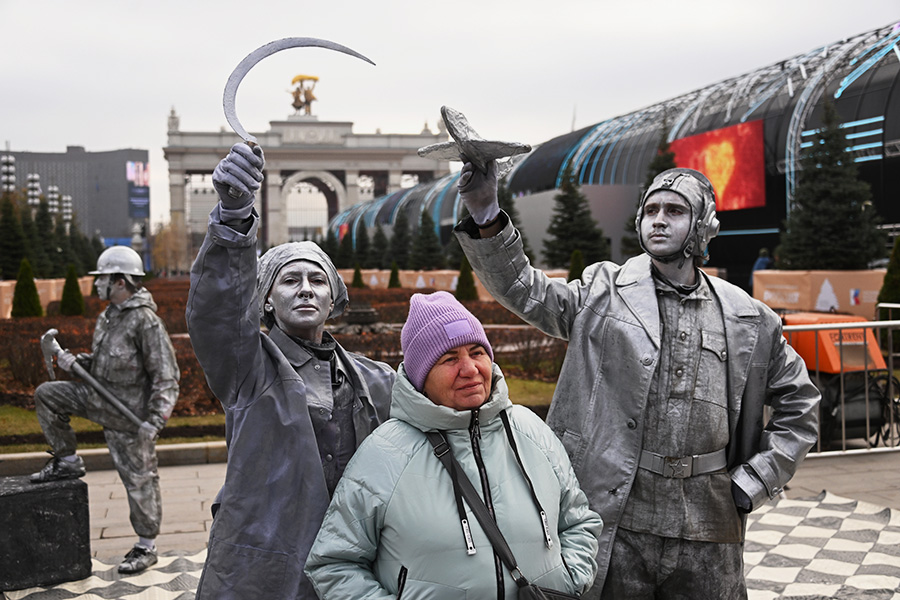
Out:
{"x": 44, "y": 532}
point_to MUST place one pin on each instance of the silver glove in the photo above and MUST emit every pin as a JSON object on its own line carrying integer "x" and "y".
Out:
{"x": 238, "y": 176}
{"x": 479, "y": 191}
{"x": 147, "y": 432}
{"x": 65, "y": 360}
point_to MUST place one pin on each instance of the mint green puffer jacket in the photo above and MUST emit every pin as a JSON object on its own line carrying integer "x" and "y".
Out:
{"x": 393, "y": 530}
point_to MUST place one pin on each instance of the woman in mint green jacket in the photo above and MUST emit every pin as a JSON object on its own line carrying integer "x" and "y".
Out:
{"x": 393, "y": 529}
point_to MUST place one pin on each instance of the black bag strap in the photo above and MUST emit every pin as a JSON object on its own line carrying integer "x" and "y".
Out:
{"x": 548, "y": 540}
{"x": 444, "y": 454}
{"x": 442, "y": 451}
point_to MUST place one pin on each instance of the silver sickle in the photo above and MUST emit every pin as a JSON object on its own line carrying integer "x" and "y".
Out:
{"x": 234, "y": 80}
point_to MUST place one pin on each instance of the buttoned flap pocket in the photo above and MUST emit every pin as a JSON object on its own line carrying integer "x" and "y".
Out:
{"x": 121, "y": 364}
{"x": 712, "y": 370}
{"x": 574, "y": 445}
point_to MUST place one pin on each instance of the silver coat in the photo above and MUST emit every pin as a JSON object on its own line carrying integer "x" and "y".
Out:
{"x": 611, "y": 321}
{"x": 275, "y": 494}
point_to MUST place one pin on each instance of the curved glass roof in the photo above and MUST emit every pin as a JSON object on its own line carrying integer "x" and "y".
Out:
{"x": 860, "y": 73}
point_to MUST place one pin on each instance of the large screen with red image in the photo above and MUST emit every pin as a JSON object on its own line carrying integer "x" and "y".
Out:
{"x": 732, "y": 159}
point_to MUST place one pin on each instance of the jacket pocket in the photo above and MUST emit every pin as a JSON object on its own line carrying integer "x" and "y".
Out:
{"x": 121, "y": 365}
{"x": 574, "y": 445}
{"x": 414, "y": 589}
{"x": 712, "y": 372}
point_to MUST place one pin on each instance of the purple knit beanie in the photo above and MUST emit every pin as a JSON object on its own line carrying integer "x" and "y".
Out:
{"x": 437, "y": 322}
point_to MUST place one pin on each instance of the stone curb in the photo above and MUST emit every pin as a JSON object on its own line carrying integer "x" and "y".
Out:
{"x": 98, "y": 459}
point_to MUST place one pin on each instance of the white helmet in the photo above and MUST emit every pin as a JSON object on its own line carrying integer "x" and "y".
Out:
{"x": 119, "y": 259}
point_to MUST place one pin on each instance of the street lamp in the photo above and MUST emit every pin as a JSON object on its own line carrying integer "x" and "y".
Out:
{"x": 34, "y": 192}
{"x": 7, "y": 173}
{"x": 67, "y": 211}
{"x": 53, "y": 199}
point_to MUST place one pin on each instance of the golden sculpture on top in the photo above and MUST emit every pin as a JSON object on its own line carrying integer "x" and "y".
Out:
{"x": 303, "y": 93}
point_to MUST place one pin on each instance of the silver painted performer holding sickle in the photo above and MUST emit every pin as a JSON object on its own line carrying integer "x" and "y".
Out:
{"x": 297, "y": 404}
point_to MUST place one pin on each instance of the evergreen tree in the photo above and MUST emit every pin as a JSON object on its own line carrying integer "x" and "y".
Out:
{"x": 34, "y": 248}
{"x": 12, "y": 240}
{"x": 82, "y": 247}
{"x": 330, "y": 247}
{"x": 46, "y": 230}
{"x": 427, "y": 252}
{"x": 394, "y": 280}
{"x": 363, "y": 247}
{"x": 398, "y": 250}
{"x": 465, "y": 285}
{"x": 508, "y": 204}
{"x": 662, "y": 161}
{"x": 832, "y": 223}
{"x": 26, "y": 301}
{"x": 345, "y": 255}
{"x": 379, "y": 248}
{"x": 72, "y": 302}
{"x": 453, "y": 252}
{"x": 99, "y": 247}
{"x": 66, "y": 252}
{"x": 357, "y": 281}
{"x": 572, "y": 227}
{"x": 576, "y": 265}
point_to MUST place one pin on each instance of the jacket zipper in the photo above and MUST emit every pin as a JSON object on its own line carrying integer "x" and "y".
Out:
{"x": 401, "y": 581}
{"x": 475, "y": 437}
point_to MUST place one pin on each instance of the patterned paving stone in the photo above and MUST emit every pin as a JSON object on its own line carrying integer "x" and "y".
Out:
{"x": 826, "y": 547}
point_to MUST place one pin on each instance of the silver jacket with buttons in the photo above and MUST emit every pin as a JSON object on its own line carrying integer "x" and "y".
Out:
{"x": 611, "y": 321}
{"x": 274, "y": 496}
{"x": 132, "y": 355}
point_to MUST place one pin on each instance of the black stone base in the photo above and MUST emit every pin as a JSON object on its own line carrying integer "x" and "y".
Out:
{"x": 45, "y": 535}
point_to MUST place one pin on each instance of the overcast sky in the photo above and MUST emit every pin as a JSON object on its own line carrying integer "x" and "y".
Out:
{"x": 105, "y": 74}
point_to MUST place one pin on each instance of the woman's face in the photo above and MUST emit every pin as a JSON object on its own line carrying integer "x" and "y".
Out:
{"x": 461, "y": 378}
{"x": 301, "y": 300}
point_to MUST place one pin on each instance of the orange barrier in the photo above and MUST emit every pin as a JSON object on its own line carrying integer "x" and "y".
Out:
{"x": 835, "y": 349}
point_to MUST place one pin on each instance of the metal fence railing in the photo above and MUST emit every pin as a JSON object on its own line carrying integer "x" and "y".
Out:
{"x": 852, "y": 364}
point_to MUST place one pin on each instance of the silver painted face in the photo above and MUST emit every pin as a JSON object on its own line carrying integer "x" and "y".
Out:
{"x": 665, "y": 223}
{"x": 301, "y": 299}
{"x": 103, "y": 284}
{"x": 697, "y": 191}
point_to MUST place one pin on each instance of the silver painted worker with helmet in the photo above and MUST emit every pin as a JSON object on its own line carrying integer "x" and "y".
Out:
{"x": 661, "y": 396}
{"x": 132, "y": 358}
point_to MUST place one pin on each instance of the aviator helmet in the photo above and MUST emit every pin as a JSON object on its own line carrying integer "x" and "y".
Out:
{"x": 698, "y": 192}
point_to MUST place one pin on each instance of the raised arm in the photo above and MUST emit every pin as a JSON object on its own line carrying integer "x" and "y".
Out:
{"x": 222, "y": 311}
{"x": 494, "y": 249}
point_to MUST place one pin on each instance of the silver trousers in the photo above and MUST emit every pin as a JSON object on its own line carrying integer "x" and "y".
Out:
{"x": 644, "y": 566}
{"x": 135, "y": 460}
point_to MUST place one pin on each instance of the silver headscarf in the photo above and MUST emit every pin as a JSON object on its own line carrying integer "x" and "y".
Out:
{"x": 271, "y": 263}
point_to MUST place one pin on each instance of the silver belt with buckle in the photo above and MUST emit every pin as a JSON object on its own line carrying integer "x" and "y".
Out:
{"x": 682, "y": 467}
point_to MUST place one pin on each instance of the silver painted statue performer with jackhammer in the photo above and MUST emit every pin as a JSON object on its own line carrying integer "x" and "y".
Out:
{"x": 133, "y": 361}
{"x": 661, "y": 397}
{"x": 297, "y": 404}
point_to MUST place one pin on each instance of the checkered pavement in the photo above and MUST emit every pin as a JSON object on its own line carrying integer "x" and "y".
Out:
{"x": 827, "y": 547}
{"x": 824, "y": 547}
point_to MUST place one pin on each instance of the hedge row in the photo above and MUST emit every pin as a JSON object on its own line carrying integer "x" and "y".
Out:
{"x": 524, "y": 352}
{"x": 22, "y": 364}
